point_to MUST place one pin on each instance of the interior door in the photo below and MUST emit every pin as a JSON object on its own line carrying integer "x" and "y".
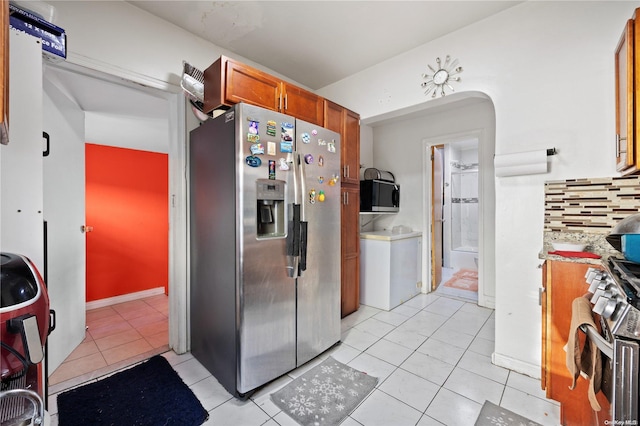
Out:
{"x": 437, "y": 185}
{"x": 63, "y": 171}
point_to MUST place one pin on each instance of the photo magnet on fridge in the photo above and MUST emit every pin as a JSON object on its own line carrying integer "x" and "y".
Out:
{"x": 286, "y": 146}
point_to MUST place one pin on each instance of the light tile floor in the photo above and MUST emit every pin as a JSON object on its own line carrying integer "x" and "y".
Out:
{"x": 432, "y": 356}
{"x": 117, "y": 336}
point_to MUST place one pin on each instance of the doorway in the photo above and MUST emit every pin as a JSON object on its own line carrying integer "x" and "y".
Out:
{"x": 86, "y": 105}
{"x": 455, "y": 218}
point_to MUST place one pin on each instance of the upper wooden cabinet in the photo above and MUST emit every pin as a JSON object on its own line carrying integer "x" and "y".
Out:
{"x": 625, "y": 101}
{"x": 228, "y": 82}
{"x": 627, "y": 69}
{"x": 302, "y": 104}
{"x": 347, "y": 123}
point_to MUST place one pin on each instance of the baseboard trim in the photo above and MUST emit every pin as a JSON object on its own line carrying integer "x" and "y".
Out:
{"x": 95, "y": 304}
{"x": 516, "y": 365}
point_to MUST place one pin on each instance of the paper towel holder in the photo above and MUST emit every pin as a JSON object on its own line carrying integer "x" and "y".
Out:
{"x": 523, "y": 163}
{"x": 550, "y": 152}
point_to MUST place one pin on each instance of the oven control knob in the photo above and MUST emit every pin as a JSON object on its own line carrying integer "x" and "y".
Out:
{"x": 593, "y": 274}
{"x": 597, "y": 283}
{"x": 609, "y": 308}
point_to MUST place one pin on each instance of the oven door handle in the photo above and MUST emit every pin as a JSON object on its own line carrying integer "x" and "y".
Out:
{"x": 605, "y": 347}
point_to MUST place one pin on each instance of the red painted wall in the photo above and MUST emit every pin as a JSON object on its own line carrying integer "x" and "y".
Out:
{"x": 127, "y": 205}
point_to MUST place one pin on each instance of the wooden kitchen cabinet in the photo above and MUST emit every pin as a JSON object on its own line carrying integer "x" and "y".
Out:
{"x": 625, "y": 100}
{"x": 627, "y": 78}
{"x": 562, "y": 282}
{"x": 228, "y": 82}
{"x": 351, "y": 149}
{"x": 347, "y": 123}
{"x": 350, "y": 250}
{"x": 302, "y": 104}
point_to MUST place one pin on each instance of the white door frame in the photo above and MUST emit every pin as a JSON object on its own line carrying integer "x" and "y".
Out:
{"x": 486, "y": 212}
{"x": 178, "y": 213}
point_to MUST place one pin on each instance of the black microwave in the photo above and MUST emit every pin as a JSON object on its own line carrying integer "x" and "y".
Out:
{"x": 379, "y": 196}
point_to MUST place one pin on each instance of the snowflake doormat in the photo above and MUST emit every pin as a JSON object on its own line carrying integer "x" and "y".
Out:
{"x": 324, "y": 395}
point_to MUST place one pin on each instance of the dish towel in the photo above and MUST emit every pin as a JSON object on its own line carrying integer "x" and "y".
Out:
{"x": 588, "y": 360}
{"x": 584, "y": 254}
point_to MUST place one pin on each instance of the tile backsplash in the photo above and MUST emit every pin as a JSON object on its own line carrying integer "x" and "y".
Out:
{"x": 591, "y": 206}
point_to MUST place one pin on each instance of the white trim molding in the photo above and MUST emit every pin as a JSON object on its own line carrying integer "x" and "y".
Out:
{"x": 95, "y": 304}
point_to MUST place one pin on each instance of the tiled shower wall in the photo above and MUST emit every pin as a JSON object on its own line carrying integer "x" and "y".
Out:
{"x": 591, "y": 206}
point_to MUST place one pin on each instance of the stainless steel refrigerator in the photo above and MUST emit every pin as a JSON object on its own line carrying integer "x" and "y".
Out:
{"x": 265, "y": 245}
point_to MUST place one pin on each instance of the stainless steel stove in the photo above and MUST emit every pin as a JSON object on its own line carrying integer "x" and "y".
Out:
{"x": 616, "y": 298}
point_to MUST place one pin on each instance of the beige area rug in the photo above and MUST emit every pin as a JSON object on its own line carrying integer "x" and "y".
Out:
{"x": 464, "y": 279}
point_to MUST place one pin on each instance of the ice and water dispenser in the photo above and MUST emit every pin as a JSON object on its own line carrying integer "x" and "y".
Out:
{"x": 270, "y": 208}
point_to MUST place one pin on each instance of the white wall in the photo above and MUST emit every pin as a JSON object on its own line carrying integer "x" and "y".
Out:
{"x": 548, "y": 69}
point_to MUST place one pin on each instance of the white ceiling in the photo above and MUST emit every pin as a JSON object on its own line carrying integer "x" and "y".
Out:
{"x": 316, "y": 43}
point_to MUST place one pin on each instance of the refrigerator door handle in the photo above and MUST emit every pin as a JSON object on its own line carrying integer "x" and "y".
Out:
{"x": 303, "y": 216}
{"x": 293, "y": 243}
{"x": 294, "y": 163}
{"x": 303, "y": 248}
{"x": 303, "y": 189}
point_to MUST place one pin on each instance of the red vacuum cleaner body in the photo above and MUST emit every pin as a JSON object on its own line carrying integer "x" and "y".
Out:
{"x": 25, "y": 317}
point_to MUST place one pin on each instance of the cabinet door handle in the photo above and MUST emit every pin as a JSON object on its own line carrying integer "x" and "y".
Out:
{"x": 286, "y": 101}
{"x": 345, "y": 198}
{"x": 541, "y": 291}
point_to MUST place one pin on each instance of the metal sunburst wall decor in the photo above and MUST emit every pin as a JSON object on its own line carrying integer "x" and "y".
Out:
{"x": 443, "y": 76}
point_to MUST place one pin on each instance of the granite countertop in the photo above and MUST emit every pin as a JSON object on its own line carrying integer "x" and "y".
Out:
{"x": 596, "y": 243}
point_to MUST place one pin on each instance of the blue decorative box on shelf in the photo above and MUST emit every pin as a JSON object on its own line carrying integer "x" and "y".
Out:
{"x": 54, "y": 39}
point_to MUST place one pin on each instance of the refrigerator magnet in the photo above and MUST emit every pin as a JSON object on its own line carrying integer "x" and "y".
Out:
{"x": 320, "y": 180}
{"x": 272, "y": 169}
{"x": 331, "y": 147}
{"x": 308, "y": 159}
{"x": 257, "y": 148}
{"x": 287, "y": 132}
{"x": 283, "y": 164}
{"x": 271, "y": 128}
{"x": 320, "y": 161}
{"x": 253, "y": 161}
{"x": 286, "y": 146}
{"x": 252, "y": 138}
{"x": 253, "y": 127}
{"x": 322, "y": 142}
{"x": 305, "y": 138}
{"x": 271, "y": 148}
{"x": 314, "y": 132}
{"x": 321, "y": 196}
{"x": 312, "y": 196}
